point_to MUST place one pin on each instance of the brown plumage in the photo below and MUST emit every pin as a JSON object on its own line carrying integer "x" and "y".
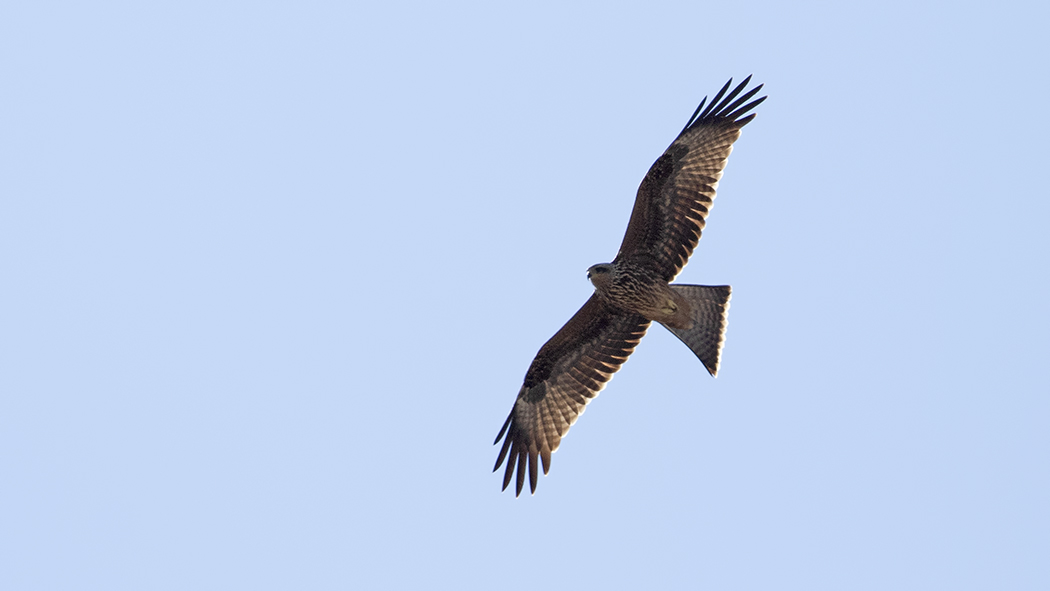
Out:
{"x": 669, "y": 214}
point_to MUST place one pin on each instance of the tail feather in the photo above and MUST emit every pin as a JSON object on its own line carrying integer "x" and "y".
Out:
{"x": 710, "y": 305}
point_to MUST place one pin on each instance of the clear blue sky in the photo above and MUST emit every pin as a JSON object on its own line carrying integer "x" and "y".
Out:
{"x": 272, "y": 275}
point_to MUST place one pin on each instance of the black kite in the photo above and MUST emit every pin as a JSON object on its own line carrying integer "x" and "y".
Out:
{"x": 669, "y": 214}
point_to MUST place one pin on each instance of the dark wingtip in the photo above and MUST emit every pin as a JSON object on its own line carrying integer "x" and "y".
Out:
{"x": 506, "y": 444}
{"x": 727, "y": 107}
{"x": 521, "y": 473}
{"x": 502, "y": 454}
{"x": 506, "y": 424}
{"x": 533, "y": 465}
{"x": 518, "y": 458}
{"x": 509, "y": 472}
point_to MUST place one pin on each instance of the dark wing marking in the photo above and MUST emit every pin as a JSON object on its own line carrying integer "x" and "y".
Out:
{"x": 569, "y": 370}
{"x": 676, "y": 194}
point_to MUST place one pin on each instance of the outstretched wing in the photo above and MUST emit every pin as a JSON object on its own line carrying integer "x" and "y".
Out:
{"x": 676, "y": 194}
{"x": 569, "y": 370}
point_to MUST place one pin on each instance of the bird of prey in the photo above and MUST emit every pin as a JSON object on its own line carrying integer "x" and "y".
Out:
{"x": 633, "y": 290}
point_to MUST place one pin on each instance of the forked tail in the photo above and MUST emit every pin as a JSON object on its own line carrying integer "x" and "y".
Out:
{"x": 710, "y": 305}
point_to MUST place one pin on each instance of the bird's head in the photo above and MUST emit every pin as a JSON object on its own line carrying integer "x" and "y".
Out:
{"x": 601, "y": 275}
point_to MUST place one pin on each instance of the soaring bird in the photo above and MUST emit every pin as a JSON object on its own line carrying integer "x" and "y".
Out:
{"x": 633, "y": 290}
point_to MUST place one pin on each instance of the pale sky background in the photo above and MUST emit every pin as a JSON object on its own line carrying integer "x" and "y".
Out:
{"x": 272, "y": 276}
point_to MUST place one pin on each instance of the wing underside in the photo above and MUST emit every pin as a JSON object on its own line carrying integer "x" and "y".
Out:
{"x": 566, "y": 374}
{"x": 677, "y": 193}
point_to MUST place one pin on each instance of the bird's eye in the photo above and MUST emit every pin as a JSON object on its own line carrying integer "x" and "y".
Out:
{"x": 601, "y": 270}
